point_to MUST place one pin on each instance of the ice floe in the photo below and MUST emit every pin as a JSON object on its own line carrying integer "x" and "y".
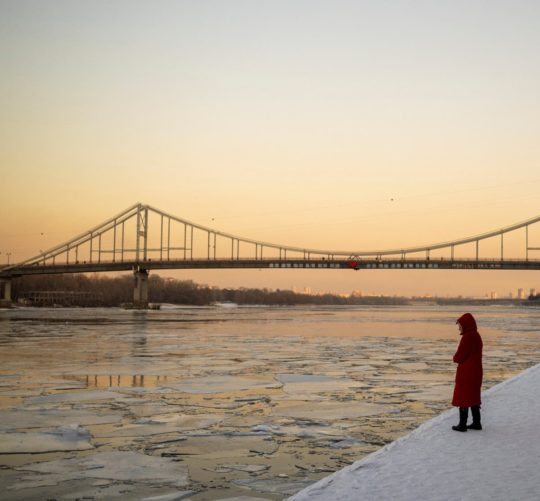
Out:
{"x": 242, "y": 498}
{"x": 173, "y": 496}
{"x": 247, "y": 468}
{"x": 18, "y": 419}
{"x": 79, "y": 396}
{"x": 117, "y": 465}
{"x": 168, "y": 423}
{"x": 274, "y": 485}
{"x": 218, "y": 384}
{"x": 67, "y": 438}
{"x": 332, "y": 410}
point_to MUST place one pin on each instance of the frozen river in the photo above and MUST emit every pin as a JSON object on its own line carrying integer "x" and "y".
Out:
{"x": 218, "y": 402}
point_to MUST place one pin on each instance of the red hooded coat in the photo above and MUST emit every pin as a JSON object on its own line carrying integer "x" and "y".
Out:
{"x": 469, "y": 359}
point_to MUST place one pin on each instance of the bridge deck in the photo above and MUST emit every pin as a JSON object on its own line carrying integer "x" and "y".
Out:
{"x": 395, "y": 264}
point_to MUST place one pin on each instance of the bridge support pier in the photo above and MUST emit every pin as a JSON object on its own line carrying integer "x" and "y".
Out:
{"x": 5, "y": 298}
{"x": 140, "y": 292}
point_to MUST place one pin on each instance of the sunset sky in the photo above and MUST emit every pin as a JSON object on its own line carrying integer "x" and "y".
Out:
{"x": 326, "y": 124}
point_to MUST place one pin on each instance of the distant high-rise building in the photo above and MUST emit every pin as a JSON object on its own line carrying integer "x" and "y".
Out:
{"x": 533, "y": 292}
{"x": 520, "y": 294}
{"x": 511, "y": 295}
{"x": 492, "y": 295}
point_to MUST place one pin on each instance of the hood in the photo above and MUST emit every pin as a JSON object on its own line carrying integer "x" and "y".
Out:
{"x": 468, "y": 323}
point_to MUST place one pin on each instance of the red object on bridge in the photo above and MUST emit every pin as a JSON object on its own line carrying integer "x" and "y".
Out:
{"x": 353, "y": 264}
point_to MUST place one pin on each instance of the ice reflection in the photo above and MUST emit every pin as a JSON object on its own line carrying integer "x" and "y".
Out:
{"x": 126, "y": 380}
{"x": 224, "y": 402}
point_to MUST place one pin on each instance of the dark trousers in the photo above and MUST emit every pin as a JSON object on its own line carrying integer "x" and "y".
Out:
{"x": 464, "y": 414}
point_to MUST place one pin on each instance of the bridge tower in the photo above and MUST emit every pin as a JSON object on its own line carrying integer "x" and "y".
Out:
{"x": 5, "y": 288}
{"x": 140, "y": 291}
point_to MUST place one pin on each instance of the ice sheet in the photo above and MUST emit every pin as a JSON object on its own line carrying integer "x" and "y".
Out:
{"x": 274, "y": 485}
{"x": 34, "y": 443}
{"x": 242, "y": 498}
{"x": 218, "y": 384}
{"x": 248, "y": 468}
{"x": 304, "y": 384}
{"x": 18, "y": 419}
{"x": 78, "y": 396}
{"x": 333, "y": 410}
{"x": 219, "y": 447}
{"x": 168, "y": 423}
{"x": 117, "y": 465}
{"x": 173, "y": 496}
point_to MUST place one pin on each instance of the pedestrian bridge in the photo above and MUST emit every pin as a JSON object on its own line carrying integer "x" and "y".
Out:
{"x": 143, "y": 238}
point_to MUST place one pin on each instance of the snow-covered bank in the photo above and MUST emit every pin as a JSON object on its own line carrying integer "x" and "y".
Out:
{"x": 434, "y": 462}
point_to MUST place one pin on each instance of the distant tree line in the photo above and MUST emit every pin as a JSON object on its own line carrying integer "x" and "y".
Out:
{"x": 114, "y": 291}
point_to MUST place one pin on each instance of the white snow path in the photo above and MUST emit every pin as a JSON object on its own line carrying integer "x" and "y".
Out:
{"x": 501, "y": 462}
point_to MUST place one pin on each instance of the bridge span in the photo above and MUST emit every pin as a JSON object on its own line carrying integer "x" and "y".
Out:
{"x": 143, "y": 238}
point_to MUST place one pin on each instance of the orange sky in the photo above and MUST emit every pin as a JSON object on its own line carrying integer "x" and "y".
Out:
{"x": 347, "y": 125}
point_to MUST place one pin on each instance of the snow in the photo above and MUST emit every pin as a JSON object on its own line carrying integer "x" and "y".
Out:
{"x": 436, "y": 463}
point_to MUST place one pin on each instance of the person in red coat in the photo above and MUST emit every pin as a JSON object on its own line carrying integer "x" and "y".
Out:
{"x": 468, "y": 374}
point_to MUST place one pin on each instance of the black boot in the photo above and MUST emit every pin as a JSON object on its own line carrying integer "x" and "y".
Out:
{"x": 476, "y": 425}
{"x": 463, "y": 413}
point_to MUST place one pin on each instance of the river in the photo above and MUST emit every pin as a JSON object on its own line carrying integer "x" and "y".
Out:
{"x": 219, "y": 402}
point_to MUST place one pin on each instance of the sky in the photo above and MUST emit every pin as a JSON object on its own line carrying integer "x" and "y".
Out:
{"x": 324, "y": 124}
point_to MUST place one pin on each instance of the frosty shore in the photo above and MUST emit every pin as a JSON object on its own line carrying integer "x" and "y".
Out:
{"x": 436, "y": 463}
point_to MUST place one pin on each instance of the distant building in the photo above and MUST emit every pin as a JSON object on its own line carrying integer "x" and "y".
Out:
{"x": 520, "y": 294}
{"x": 511, "y": 295}
{"x": 492, "y": 295}
{"x": 356, "y": 293}
{"x": 533, "y": 292}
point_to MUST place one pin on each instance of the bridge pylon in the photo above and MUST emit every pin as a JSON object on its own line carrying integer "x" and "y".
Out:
{"x": 5, "y": 296}
{"x": 140, "y": 290}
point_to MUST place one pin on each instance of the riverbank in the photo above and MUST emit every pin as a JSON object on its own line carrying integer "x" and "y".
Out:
{"x": 436, "y": 463}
